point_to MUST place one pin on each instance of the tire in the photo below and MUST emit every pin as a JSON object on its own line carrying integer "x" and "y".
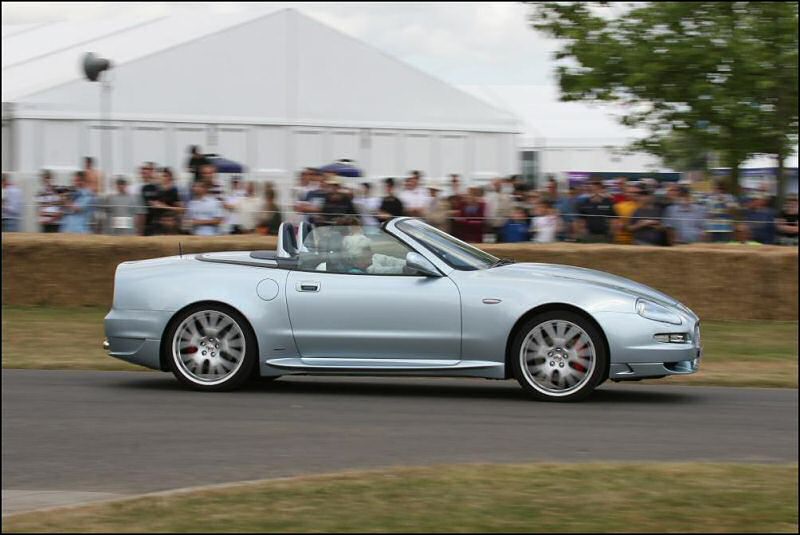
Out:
{"x": 212, "y": 348}
{"x": 558, "y": 356}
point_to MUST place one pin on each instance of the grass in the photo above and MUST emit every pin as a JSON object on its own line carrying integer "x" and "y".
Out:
{"x": 737, "y": 353}
{"x": 591, "y": 497}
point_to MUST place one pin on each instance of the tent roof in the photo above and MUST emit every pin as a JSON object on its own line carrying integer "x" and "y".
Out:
{"x": 275, "y": 64}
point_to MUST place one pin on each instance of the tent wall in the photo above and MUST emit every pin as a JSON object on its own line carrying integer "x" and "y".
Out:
{"x": 269, "y": 152}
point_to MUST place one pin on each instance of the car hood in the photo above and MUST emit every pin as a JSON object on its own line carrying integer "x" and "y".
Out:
{"x": 526, "y": 270}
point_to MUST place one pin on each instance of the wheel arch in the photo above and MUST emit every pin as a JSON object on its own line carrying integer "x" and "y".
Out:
{"x": 163, "y": 354}
{"x": 551, "y": 307}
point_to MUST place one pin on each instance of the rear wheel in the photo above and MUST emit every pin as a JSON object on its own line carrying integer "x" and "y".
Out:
{"x": 212, "y": 348}
{"x": 559, "y": 356}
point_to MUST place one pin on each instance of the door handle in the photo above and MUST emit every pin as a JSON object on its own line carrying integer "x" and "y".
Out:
{"x": 307, "y": 286}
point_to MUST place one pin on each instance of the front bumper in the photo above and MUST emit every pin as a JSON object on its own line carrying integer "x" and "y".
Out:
{"x": 636, "y": 354}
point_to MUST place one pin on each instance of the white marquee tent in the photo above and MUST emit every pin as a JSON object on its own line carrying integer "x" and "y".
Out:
{"x": 277, "y": 91}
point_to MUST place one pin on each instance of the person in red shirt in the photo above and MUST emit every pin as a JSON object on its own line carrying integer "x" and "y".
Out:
{"x": 471, "y": 217}
{"x": 620, "y": 187}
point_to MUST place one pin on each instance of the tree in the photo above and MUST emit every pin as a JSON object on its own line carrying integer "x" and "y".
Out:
{"x": 721, "y": 74}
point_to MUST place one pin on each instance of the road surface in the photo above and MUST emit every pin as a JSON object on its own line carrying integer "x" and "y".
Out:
{"x": 71, "y": 436}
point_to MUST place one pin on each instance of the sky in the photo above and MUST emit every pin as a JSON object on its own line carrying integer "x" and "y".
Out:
{"x": 485, "y": 48}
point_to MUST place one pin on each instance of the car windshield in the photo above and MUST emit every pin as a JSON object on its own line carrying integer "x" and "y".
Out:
{"x": 454, "y": 252}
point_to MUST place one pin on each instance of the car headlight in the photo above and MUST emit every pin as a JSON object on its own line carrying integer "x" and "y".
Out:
{"x": 652, "y": 311}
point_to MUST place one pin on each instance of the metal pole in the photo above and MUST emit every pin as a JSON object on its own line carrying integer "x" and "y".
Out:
{"x": 105, "y": 113}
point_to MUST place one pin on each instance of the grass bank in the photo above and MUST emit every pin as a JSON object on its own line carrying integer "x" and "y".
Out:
{"x": 737, "y": 353}
{"x": 660, "y": 497}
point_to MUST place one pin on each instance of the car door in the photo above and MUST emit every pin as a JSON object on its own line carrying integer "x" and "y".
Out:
{"x": 374, "y": 316}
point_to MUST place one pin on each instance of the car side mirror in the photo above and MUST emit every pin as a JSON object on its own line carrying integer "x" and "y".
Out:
{"x": 420, "y": 264}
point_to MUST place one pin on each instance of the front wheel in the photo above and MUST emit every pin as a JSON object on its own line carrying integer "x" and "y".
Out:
{"x": 211, "y": 348}
{"x": 558, "y": 356}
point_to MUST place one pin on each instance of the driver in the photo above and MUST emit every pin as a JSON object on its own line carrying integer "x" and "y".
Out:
{"x": 357, "y": 250}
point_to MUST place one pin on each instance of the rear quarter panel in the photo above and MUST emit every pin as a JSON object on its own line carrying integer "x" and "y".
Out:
{"x": 171, "y": 284}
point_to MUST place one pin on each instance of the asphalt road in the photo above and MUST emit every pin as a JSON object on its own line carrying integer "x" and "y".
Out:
{"x": 130, "y": 432}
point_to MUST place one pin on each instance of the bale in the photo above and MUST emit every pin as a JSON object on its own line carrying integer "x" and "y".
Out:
{"x": 719, "y": 282}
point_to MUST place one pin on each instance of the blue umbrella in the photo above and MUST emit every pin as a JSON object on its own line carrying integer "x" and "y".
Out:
{"x": 342, "y": 168}
{"x": 224, "y": 165}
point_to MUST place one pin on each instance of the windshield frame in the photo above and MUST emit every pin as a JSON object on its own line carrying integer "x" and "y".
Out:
{"x": 474, "y": 259}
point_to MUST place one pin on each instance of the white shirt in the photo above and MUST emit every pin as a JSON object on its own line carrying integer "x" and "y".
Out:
{"x": 12, "y": 202}
{"x": 249, "y": 211}
{"x": 545, "y": 228}
{"x": 368, "y": 207}
{"x": 233, "y": 199}
{"x": 206, "y": 208}
{"x": 414, "y": 199}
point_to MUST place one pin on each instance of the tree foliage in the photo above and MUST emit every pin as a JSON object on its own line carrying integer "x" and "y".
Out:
{"x": 721, "y": 76}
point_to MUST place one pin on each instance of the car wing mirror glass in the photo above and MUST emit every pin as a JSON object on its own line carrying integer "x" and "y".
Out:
{"x": 418, "y": 263}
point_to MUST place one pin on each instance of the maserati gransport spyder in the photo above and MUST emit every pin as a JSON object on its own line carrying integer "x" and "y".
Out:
{"x": 402, "y": 299}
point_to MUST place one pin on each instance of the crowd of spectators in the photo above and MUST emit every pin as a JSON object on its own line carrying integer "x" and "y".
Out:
{"x": 505, "y": 210}
{"x": 640, "y": 213}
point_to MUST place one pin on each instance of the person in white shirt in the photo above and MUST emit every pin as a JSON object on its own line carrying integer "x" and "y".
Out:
{"x": 48, "y": 201}
{"x": 545, "y": 222}
{"x": 415, "y": 199}
{"x": 231, "y": 202}
{"x": 367, "y": 205}
{"x": 249, "y": 209}
{"x": 205, "y": 213}
{"x": 12, "y": 205}
{"x": 498, "y": 206}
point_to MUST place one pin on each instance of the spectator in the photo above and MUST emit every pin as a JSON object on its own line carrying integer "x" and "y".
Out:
{"x": 567, "y": 207}
{"x": 367, "y": 205}
{"x": 205, "y": 213}
{"x": 196, "y": 161}
{"x": 231, "y": 202}
{"x": 455, "y": 185}
{"x": 78, "y": 207}
{"x": 720, "y": 206}
{"x": 760, "y": 220}
{"x": 596, "y": 212}
{"x": 647, "y": 228}
{"x": 545, "y": 222}
{"x": 338, "y": 201}
{"x": 150, "y": 193}
{"x": 391, "y": 206}
{"x": 455, "y": 200}
{"x": 208, "y": 173}
{"x": 516, "y": 228}
{"x": 551, "y": 189}
{"x": 94, "y": 180}
{"x": 251, "y": 208}
{"x": 471, "y": 217}
{"x": 439, "y": 209}
{"x": 315, "y": 198}
{"x": 298, "y": 195}
{"x": 624, "y": 209}
{"x": 620, "y": 193}
{"x": 121, "y": 208}
{"x": 684, "y": 219}
{"x": 12, "y": 205}
{"x": 168, "y": 205}
{"x": 498, "y": 207}
{"x": 414, "y": 197}
{"x": 786, "y": 223}
{"x": 272, "y": 219}
{"x": 48, "y": 201}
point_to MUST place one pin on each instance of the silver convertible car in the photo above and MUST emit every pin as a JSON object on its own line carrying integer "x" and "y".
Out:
{"x": 402, "y": 299}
